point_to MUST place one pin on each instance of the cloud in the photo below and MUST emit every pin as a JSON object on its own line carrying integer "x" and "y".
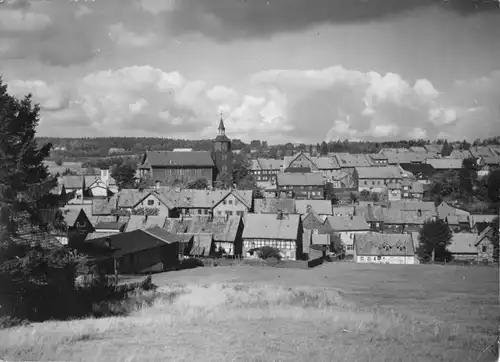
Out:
{"x": 228, "y": 19}
{"x": 125, "y": 38}
{"x": 20, "y": 20}
{"x": 51, "y": 98}
{"x": 337, "y": 103}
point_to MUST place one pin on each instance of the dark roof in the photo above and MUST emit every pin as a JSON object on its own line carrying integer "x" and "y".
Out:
{"x": 110, "y": 225}
{"x": 131, "y": 242}
{"x": 423, "y": 168}
{"x": 176, "y": 158}
{"x": 222, "y": 138}
{"x": 167, "y": 236}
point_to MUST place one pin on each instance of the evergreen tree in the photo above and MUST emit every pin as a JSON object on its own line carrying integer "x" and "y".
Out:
{"x": 324, "y": 148}
{"x": 124, "y": 175}
{"x": 25, "y": 183}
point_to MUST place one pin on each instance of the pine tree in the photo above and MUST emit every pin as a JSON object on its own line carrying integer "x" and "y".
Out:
{"x": 25, "y": 183}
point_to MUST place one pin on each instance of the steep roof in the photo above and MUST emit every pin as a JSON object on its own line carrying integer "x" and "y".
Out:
{"x": 103, "y": 206}
{"x": 71, "y": 181}
{"x": 347, "y": 223}
{"x": 425, "y": 206}
{"x": 462, "y": 243}
{"x": 202, "y": 244}
{"x": 299, "y": 179}
{"x": 138, "y": 222}
{"x": 326, "y": 162}
{"x": 131, "y": 197}
{"x": 269, "y": 164}
{"x": 444, "y": 209}
{"x": 383, "y": 172}
{"x": 352, "y": 160}
{"x": 225, "y": 229}
{"x": 322, "y": 207}
{"x": 109, "y": 225}
{"x": 177, "y": 159}
{"x": 271, "y": 206}
{"x": 268, "y": 226}
{"x": 457, "y": 219}
{"x": 405, "y": 157}
{"x": 423, "y": 168}
{"x": 176, "y": 225}
{"x": 481, "y": 218}
{"x": 339, "y": 210}
{"x": 462, "y": 154}
{"x": 374, "y": 244}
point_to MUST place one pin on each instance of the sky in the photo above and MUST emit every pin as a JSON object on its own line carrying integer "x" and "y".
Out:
{"x": 277, "y": 70}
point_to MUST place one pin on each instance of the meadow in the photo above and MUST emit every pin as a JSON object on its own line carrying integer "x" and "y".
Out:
{"x": 335, "y": 312}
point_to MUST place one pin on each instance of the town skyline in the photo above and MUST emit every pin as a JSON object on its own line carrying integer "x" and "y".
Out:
{"x": 169, "y": 68}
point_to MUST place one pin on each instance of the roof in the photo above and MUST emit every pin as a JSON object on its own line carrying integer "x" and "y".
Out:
{"x": 71, "y": 181}
{"x": 167, "y": 236}
{"x": 486, "y": 233}
{"x": 445, "y": 163}
{"x": 325, "y": 162}
{"x": 423, "y": 168}
{"x": 425, "y": 206}
{"x": 172, "y": 159}
{"x": 457, "y": 219}
{"x": 462, "y": 243}
{"x": 202, "y": 244}
{"x": 139, "y": 222}
{"x": 348, "y": 223}
{"x": 225, "y": 229}
{"x": 299, "y": 179}
{"x": 462, "y": 154}
{"x": 322, "y": 207}
{"x": 418, "y": 149}
{"x": 383, "y": 172}
{"x": 268, "y": 226}
{"x": 176, "y": 225}
{"x": 395, "y": 215}
{"x": 487, "y": 150}
{"x": 131, "y": 197}
{"x": 131, "y": 242}
{"x": 444, "y": 209}
{"x": 109, "y": 225}
{"x": 271, "y": 206}
{"x": 98, "y": 235}
{"x": 343, "y": 210}
{"x": 70, "y": 216}
{"x": 103, "y": 206}
{"x": 352, "y": 160}
{"x": 492, "y": 160}
{"x": 196, "y": 198}
{"x": 483, "y": 218}
{"x": 384, "y": 244}
{"x": 433, "y": 148}
{"x": 396, "y": 157}
{"x": 199, "y": 224}
{"x": 267, "y": 163}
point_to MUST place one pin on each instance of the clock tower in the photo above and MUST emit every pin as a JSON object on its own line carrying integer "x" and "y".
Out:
{"x": 222, "y": 153}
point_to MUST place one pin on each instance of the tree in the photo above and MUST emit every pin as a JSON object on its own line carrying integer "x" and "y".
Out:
{"x": 25, "y": 183}
{"x": 447, "y": 149}
{"x": 124, "y": 175}
{"x": 324, "y": 148}
{"x": 199, "y": 184}
{"x": 330, "y": 195}
{"x": 224, "y": 180}
{"x": 434, "y": 236}
{"x": 353, "y": 197}
{"x": 59, "y": 161}
{"x": 494, "y": 186}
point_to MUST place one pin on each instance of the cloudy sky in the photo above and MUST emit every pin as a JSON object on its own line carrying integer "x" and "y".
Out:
{"x": 279, "y": 70}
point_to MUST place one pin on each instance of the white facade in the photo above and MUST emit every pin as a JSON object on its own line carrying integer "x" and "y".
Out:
{"x": 385, "y": 259}
{"x": 98, "y": 189}
{"x": 347, "y": 239}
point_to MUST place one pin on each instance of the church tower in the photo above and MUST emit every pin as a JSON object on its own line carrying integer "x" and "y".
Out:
{"x": 222, "y": 153}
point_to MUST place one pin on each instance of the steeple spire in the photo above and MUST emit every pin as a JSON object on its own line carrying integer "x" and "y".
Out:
{"x": 222, "y": 129}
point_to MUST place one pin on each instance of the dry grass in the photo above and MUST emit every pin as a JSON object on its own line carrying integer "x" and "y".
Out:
{"x": 333, "y": 313}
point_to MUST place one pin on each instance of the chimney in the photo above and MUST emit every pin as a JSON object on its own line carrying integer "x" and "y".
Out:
{"x": 157, "y": 185}
{"x": 145, "y": 218}
{"x": 107, "y": 243}
{"x": 105, "y": 176}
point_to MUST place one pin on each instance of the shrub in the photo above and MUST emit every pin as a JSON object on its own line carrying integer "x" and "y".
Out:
{"x": 267, "y": 252}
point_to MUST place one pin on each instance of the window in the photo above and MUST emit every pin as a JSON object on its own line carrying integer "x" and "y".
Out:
{"x": 224, "y": 202}
{"x": 159, "y": 203}
{"x": 224, "y": 168}
{"x": 199, "y": 211}
{"x": 239, "y": 213}
{"x": 366, "y": 182}
{"x": 206, "y": 212}
{"x": 151, "y": 202}
{"x": 230, "y": 202}
{"x": 484, "y": 248}
{"x": 229, "y": 213}
{"x": 219, "y": 213}
{"x": 349, "y": 248}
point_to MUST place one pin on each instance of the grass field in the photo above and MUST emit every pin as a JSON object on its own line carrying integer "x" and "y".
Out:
{"x": 336, "y": 312}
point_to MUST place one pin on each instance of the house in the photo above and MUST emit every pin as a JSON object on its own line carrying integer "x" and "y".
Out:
{"x": 458, "y": 223}
{"x": 485, "y": 246}
{"x": 394, "y": 191}
{"x": 190, "y": 203}
{"x": 461, "y": 154}
{"x": 282, "y": 231}
{"x": 73, "y": 186}
{"x": 102, "y": 185}
{"x": 265, "y": 170}
{"x": 445, "y": 164}
{"x": 462, "y": 247}
{"x": 398, "y": 156}
{"x": 480, "y": 222}
{"x": 375, "y": 179}
{"x": 301, "y": 163}
{"x": 109, "y": 227}
{"x": 378, "y": 159}
{"x": 347, "y": 227}
{"x": 301, "y": 185}
{"x": 322, "y": 208}
{"x": 234, "y": 202}
{"x": 273, "y": 206}
{"x": 138, "y": 251}
{"x": 325, "y": 165}
{"x": 444, "y": 210}
{"x": 384, "y": 248}
{"x": 421, "y": 171}
{"x": 78, "y": 224}
{"x": 399, "y": 217}
{"x": 227, "y": 233}
{"x": 411, "y": 190}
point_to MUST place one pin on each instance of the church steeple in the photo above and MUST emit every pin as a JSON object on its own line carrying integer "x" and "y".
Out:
{"x": 222, "y": 129}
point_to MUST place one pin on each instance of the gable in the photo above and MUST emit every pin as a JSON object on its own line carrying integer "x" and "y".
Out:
{"x": 302, "y": 161}
{"x": 151, "y": 196}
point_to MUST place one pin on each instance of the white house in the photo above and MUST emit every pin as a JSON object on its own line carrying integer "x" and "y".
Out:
{"x": 347, "y": 227}
{"x": 384, "y": 248}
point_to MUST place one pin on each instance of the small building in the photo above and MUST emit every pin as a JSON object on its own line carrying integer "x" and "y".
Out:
{"x": 343, "y": 210}
{"x": 138, "y": 251}
{"x": 411, "y": 190}
{"x": 462, "y": 247}
{"x": 458, "y": 223}
{"x": 322, "y": 208}
{"x": 444, "y": 210}
{"x": 347, "y": 227}
{"x": 109, "y": 227}
{"x": 282, "y": 231}
{"x": 384, "y": 248}
{"x": 485, "y": 246}
{"x": 479, "y": 222}
{"x": 234, "y": 203}
{"x": 421, "y": 171}
{"x": 301, "y": 185}
{"x": 78, "y": 224}
{"x": 375, "y": 179}
{"x": 394, "y": 191}
{"x": 227, "y": 235}
{"x": 139, "y": 222}
{"x": 445, "y": 164}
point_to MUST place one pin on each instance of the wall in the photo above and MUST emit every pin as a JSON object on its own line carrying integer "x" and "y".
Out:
{"x": 228, "y": 247}
{"x": 169, "y": 175}
{"x": 230, "y": 204}
{"x": 394, "y": 195}
{"x": 156, "y": 204}
{"x": 98, "y": 189}
{"x": 486, "y": 254}
{"x": 347, "y": 239}
{"x": 386, "y": 259}
{"x": 288, "y": 248}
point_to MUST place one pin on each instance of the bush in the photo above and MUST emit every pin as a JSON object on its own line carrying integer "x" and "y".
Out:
{"x": 267, "y": 252}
